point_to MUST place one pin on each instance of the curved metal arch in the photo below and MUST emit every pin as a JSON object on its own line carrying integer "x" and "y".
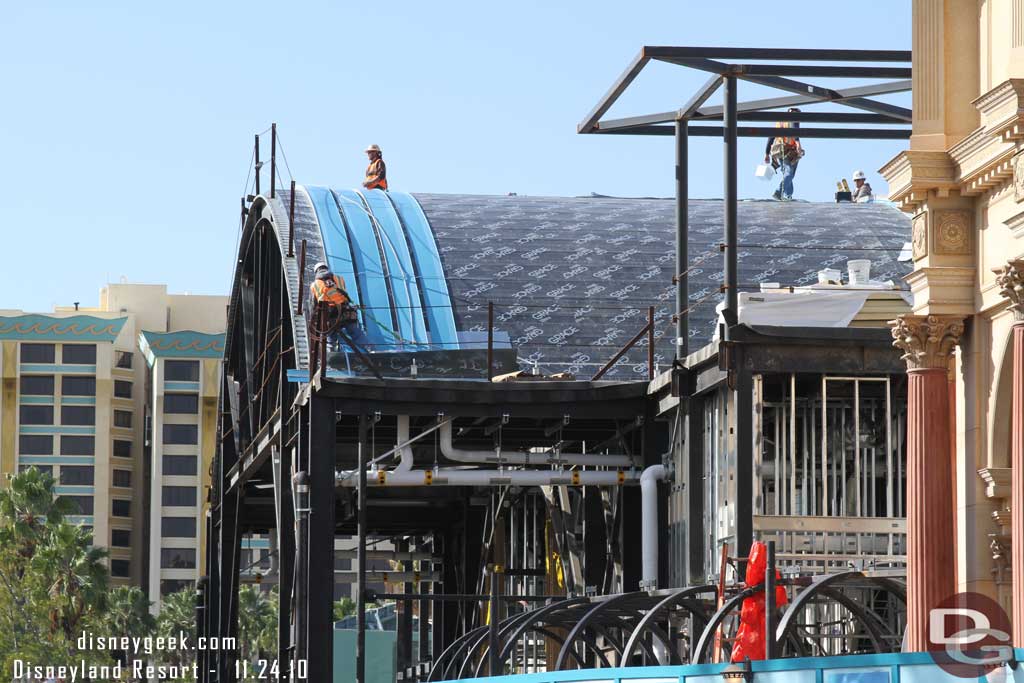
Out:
{"x": 504, "y": 627}
{"x": 449, "y": 654}
{"x": 538, "y": 616}
{"x": 587, "y": 618}
{"x": 674, "y": 599}
{"x": 812, "y": 591}
{"x": 830, "y": 588}
{"x": 719, "y": 616}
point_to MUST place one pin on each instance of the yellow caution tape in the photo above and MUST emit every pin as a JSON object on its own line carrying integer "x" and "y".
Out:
{"x": 575, "y": 478}
{"x": 428, "y": 477}
{"x": 382, "y": 478}
{"x": 622, "y": 477}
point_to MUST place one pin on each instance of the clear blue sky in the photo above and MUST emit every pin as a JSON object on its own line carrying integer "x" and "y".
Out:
{"x": 126, "y": 126}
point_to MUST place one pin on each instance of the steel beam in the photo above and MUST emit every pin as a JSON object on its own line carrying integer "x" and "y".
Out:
{"x": 765, "y": 132}
{"x": 702, "y": 96}
{"x": 825, "y": 71}
{"x": 759, "y": 53}
{"x": 730, "y": 197}
{"x": 613, "y": 94}
{"x": 743, "y": 397}
{"x": 885, "y": 88}
{"x": 682, "y": 238}
{"x": 320, "y": 617}
{"x": 828, "y": 94}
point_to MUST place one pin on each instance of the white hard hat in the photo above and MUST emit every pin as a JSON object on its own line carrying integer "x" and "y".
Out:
{"x": 859, "y": 175}
{"x": 320, "y": 266}
{"x": 372, "y": 148}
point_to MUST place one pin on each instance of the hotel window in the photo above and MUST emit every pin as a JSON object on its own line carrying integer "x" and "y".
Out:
{"x": 71, "y": 385}
{"x": 122, "y": 478}
{"x": 181, "y": 404}
{"x": 123, "y": 359}
{"x": 171, "y": 586}
{"x": 36, "y": 415}
{"x": 78, "y": 415}
{"x": 37, "y": 385}
{"x": 37, "y": 353}
{"x": 122, "y": 418}
{"x": 177, "y": 558}
{"x": 180, "y": 464}
{"x": 179, "y": 496}
{"x": 178, "y": 527}
{"x": 181, "y": 371}
{"x": 78, "y": 354}
{"x": 121, "y": 569}
{"x": 122, "y": 449}
{"x": 122, "y": 388}
{"x": 45, "y": 469}
{"x": 121, "y": 508}
{"x": 80, "y": 505}
{"x": 35, "y": 444}
{"x": 181, "y": 434}
{"x": 121, "y": 538}
{"x": 77, "y": 475}
{"x": 77, "y": 445}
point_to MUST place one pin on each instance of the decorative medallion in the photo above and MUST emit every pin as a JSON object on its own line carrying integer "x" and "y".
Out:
{"x": 953, "y": 229}
{"x": 1018, "y": 177}
{"x": 920, "y": 236}
{"x": 927, "y": 341}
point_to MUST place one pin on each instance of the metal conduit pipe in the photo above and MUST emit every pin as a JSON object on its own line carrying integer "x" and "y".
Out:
{"x": 649, "y": 479}
{"x": 457, "y": 477}
{"x": 520, "y": 458}
{"x": 404, "y": 449}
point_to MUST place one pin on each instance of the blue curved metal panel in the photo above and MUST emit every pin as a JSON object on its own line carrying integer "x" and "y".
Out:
{"x": 335, "y": 237}
{"x": 433, "y": 286}
{"x": 377, "y": 306}
{"x": 401, "y": 272}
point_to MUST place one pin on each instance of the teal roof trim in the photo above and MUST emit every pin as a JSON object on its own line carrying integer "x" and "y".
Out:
{"x": 75, "y": 328}
{"x": 184, "y": 344}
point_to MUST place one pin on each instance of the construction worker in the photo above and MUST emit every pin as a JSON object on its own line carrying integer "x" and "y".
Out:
{"x": 862, "y": 193}
{"x": 329, "y": 289}
{"x": 785, "y": 153}
{"x": 376, "y": 172}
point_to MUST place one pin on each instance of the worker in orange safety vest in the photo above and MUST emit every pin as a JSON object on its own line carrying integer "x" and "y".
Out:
{"x": 329, "y": 289}
{"x": 376, "y": 172}
{"x": 784, "y": 152}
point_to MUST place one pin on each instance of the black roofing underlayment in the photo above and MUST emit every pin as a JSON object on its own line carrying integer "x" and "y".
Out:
{"x": 571, "y": 278}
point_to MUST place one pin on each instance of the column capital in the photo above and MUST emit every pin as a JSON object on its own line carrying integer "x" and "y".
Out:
{"x": 1010, "y": 279}
{"x": 927, "y": 341}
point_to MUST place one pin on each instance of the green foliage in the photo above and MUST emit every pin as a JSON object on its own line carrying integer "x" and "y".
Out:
{"x": 345, "y": 607}
{"x": 257, "y": 623}
{"x": 52, "y": 582}
{"x": 177, "y": 615}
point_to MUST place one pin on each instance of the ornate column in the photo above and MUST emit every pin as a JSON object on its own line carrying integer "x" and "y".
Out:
{"x": 927, "y": 343}
{"x": 1010, "y": 279}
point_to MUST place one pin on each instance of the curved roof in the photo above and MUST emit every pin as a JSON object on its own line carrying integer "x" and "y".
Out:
{"x": 570, "y": 278}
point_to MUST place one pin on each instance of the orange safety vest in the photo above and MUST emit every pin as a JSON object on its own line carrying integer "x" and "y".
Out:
{"x": 377, "y": 175}
{"x": 330, "y": 291}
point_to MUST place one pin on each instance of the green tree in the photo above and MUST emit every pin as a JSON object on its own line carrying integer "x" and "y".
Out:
{"x": 177, "y": 615}
{"x": 345, "y": 607}
{"x": 257, "y": 622}
{"x": 52, "y": 582}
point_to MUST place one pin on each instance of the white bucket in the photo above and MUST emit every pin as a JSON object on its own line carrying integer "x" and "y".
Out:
{"x": 764, "y": 172}
{"x": 829, "y": 274}
{"x": 860, "y": 271}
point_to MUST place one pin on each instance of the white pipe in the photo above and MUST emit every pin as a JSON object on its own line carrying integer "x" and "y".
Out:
{"x": 519, "y": 458}
{"x": 649, "y": 479}
{"x": 404, "y": 449}
{"x": 457, "y": 477}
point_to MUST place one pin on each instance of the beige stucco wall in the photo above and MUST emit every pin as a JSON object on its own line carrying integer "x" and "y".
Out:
{"x": 961, "y": 182}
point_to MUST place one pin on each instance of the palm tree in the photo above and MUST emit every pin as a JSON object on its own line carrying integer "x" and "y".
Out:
{"x": 27, "y": 506}
{"x": 177, "y": 615}
{"x": 257, "y": 622}
{"x": 76, "y": 574}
